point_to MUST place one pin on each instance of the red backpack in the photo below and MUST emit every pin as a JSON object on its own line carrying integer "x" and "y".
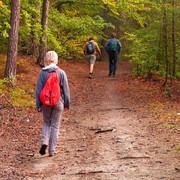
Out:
{"x": 50, "y": 94}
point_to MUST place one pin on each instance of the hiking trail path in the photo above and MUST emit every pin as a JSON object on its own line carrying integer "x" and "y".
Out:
{"x": 107, "y": 134}
{"x": 111, "y": 132}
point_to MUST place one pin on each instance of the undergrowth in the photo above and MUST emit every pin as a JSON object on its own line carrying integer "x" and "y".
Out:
{"x": 18, "y": 95}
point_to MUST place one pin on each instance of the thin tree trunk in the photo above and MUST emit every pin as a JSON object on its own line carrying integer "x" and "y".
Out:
{"x": 165, "y": 38}
{"x": 10, "y": 69}
{"x": 173, "y": 40}
{"x": 43, "y": 40}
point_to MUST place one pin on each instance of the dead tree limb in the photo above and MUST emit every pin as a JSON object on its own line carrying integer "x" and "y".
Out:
{"x": 104, "y": 130}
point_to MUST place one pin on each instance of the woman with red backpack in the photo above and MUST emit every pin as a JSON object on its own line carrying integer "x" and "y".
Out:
{"x": 51, "y": 112}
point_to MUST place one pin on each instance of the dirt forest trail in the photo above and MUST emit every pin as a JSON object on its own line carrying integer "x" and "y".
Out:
{"x": 107, "y": 134}
{"x": 113, "y": 131}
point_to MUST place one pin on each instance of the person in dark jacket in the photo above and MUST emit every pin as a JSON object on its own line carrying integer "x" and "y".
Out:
{"x": 113, "y": 48}
{"x": 52, "y": 115}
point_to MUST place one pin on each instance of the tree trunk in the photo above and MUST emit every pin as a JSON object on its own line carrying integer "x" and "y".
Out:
{"x": 43, "y": 39}
{"x": 165, "y": 38}
{"x": 173, "y": 40}
{"x": 10, "y": 69}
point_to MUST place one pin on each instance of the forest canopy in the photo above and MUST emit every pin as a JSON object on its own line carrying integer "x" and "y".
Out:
{"x": 148, "y": 30}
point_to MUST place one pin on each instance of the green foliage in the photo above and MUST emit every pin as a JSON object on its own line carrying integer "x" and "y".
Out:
{"x": 147, "y": 45}
{"x": 170, "y": 125}
{"x": 21, "y": 98}
{"x": 30, "y": 26}
{"x": 138, "y": 23}
{"x": 144, "y": 52}
{"x": 178, "y": 75}
{"x": 4, "y": 25}
{"x": 67, "y": 35}
{"x": 18, "y": 96}
{"x": 3, "y": 85}
{"x": 171, "y": 119}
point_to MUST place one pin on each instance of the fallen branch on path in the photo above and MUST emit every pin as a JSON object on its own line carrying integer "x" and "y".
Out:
{"x": 99, "y": 130}
{"x": 104, "y": 130}
{"x": 135, "y": 157}
{"x": 117, "y": 109}
{"x": 94, "y": 172}
{"x": 90, "y": 172}
{"x": 95, "y": 129}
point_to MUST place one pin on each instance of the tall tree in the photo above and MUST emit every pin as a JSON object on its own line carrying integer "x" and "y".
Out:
{"x": 10, "y": 69}
{"x": 43, "y": 38}
{"x": 165, "y": 39}
{"x": 173, "y": 39}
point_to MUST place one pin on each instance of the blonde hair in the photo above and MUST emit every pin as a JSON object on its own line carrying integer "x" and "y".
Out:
{"x": 51, "y": 57}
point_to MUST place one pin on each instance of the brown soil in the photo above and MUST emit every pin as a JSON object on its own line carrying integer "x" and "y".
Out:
{"x": 115, "y": 130}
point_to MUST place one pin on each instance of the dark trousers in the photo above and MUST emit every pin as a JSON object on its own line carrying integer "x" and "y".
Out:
{"x": 113, "y": 59}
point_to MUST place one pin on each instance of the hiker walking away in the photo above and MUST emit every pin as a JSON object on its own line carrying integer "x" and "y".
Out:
{"x": 113, "y": 48}
{"x": 91, "y": 49}
{"x": 52, "y": 114}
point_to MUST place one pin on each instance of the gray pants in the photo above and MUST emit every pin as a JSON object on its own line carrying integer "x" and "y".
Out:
{"x": 51, "y": 125}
